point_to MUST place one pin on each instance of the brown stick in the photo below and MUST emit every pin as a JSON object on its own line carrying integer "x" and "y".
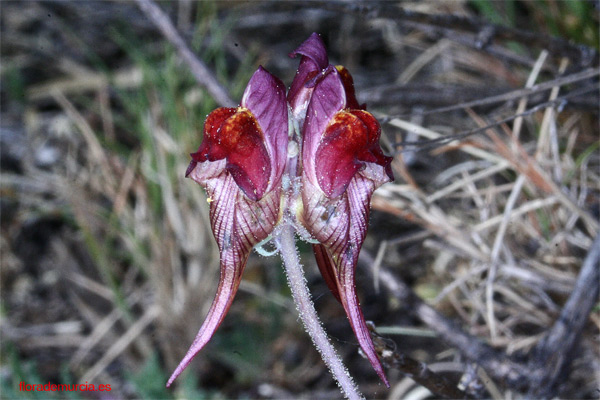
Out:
{"x": 552, "y": 356}
{"x": 416, "y": 370}
{"x": 200, "y": 71}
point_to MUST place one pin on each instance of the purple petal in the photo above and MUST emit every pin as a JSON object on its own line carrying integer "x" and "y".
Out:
{"x": 327, "y": 99}
{"x": 265, "y": 98}
{"x": 314, "y": 61}
{"x": 314, "y": 49}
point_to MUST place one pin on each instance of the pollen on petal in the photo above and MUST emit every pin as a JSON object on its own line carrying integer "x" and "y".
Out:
{"x": 212, "y": 126}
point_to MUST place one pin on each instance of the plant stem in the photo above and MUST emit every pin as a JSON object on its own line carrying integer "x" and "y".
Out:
{"x": 287, "y": 247}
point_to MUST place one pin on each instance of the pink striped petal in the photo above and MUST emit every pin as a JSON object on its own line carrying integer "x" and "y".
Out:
{"x": 240, "y": 164}
{"x": 343, "y": 165}
{"x": 340, "y": 225}
{"x": 238, "y": 223}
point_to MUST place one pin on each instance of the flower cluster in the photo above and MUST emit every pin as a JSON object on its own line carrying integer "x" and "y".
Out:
{"x": 311, "y": 159}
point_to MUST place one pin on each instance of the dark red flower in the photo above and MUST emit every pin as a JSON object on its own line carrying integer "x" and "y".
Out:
{"x": 240, "y": 163}
{"x": 253, "y": 181}
{"x": 342, "y": 166}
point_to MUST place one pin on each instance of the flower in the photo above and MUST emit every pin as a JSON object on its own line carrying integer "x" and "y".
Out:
{"x": 240, "y": 163}
{"x": 342, "y": 166}
{"x": 254, "y": 183}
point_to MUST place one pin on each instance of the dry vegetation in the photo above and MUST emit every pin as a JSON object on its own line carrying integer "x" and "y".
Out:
{"x": 480, "y": 261}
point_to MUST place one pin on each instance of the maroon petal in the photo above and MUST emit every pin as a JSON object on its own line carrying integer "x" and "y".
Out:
{"x": 340, "y": 225}
{"x": 339, "y": 140}
{"x": 209, "y": 149}
{"x": 350, "y": 140}
{"x": 335, "y": 159}
{"x": 348, "y": 83}
{"x": 327, "y": 268}
{"x": 234, "y": 135}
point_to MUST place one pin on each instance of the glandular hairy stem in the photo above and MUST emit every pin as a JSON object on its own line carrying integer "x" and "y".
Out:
{"x": 287, "y": 248}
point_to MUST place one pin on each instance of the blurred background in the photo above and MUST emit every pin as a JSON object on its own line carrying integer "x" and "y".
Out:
{"x": 108, "y": 264}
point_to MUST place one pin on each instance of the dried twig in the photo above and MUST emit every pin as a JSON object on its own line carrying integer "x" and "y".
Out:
{"x": 482, "y": 32}
{"x": 552, "y": 356}
{"x": 200, "y": 71}
{"x": 416, "y": 370}
{"x": 519, "y": 93}
{"x": 423, "y": 145}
